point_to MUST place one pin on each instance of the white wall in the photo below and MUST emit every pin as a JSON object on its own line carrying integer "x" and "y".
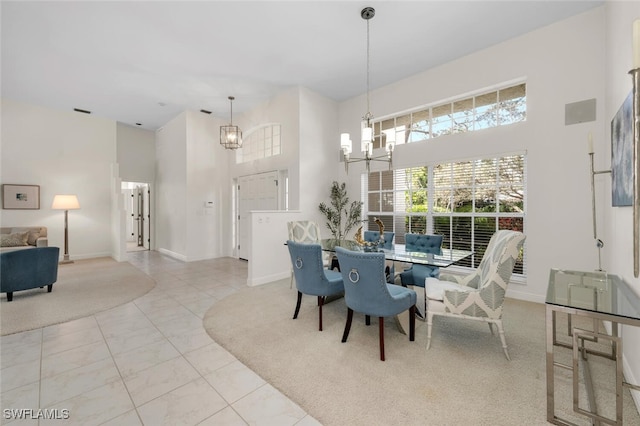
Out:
{"x": 319, "y": 155}
{"x": 207, "y": 180}
{"x": 269, "y": 255}
{"x": 192, "y": 168}
{"x": 136, "y": 156}
{"x": 561, "y": 63}
{"x": 311, "y": 158}
{"x": 618, "y": 235}
{"x": 63, "y": 152}
{"x": 283, "y": 109}
{"x": 171, "y": 183}
{"x": 136, "y": 153}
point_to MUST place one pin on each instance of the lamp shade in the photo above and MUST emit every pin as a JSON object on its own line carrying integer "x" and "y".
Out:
{"x": 65, "y": 202}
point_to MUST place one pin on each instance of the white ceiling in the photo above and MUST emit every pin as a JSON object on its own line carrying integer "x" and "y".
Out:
{"x": 147, "y": 61}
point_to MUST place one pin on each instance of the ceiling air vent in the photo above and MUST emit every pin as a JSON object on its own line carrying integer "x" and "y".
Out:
{"x": 204, "y": 111}
{"x": 84, "y": 111}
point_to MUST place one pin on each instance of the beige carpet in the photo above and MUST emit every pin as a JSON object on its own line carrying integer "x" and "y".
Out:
{"x": 463, "y": 379}
{"x": 83, "y": 288}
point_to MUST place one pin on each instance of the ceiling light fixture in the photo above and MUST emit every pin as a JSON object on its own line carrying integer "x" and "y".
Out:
{"x": 230, "y": 135}
{"x": 366, "y": 144}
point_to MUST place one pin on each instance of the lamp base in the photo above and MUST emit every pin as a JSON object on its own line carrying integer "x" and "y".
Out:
{"x": 65, "y": 260}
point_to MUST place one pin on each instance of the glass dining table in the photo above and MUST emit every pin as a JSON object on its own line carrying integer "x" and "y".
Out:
{"x": 442, "y": 259}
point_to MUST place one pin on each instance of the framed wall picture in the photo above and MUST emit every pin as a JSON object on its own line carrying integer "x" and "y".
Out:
{"x": 622, "y": 155}
{"x": 21, "y": 197}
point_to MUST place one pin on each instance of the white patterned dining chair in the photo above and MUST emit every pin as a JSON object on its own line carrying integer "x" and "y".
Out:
{"x": 480, "y": 295}
{"x": 304, "y": 231}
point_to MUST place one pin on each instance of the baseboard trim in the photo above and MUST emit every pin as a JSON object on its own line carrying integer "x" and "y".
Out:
{"x": 267, "y": 279}
{"x": 173, "y": 254}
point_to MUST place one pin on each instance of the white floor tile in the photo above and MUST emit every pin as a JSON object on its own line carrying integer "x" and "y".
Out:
{"x": 187, "y": 405}
{"x": 96, "y": 406}
{"x": 234, "y": 381}
{"x": 136, "y": 360}
{"x": 23, "y": 397}
{"x": 19, "y": 354}
{"x": 133, "y": 339}
{"x": 60, "y": 362}
{"x": 209, "y": 358}
{"x": 130, "y": 418}
{"x": 19, "y": 375}
{"x": 159, "y": 379}
{"x": 77, "y": 381}
{"x": 226, "y": 417}
{"x": 267, "y": 406}
{"x": 55, "y": 344}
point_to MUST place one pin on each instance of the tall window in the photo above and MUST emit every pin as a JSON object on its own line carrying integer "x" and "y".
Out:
{"x": 259, "y": 143}
{"x": 465, "y": 201}
{"x": 495, "y": 108}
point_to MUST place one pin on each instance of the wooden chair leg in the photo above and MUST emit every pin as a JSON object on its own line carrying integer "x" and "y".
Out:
{"x": 9, "y": 296}
{"x": 381, "y": 328}
{"x": 320, "y": 303}
{"x": 49, "y": 288}
{"x": 412, "y": 323}
{"x": 347, "y": 326}
{"x": 295, "y": 314}
{"x": 367, "y": 319}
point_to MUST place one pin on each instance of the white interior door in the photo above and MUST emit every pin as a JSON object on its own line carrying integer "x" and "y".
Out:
{"x": 146, "y": 196}
{"x": 137, "y": 204}
{"x": 130, "y": 223}
{"x": 255, "y": 192}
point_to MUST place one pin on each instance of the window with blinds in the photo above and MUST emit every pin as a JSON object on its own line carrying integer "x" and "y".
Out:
{"x": 495, "y": 108}
{"x": 465, "y": 201}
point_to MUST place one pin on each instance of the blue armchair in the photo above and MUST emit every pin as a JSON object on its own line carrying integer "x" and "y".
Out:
{"x": 27, "y": 269}
{"x": 311, "y": 276}
{"x": 367, "y": 292}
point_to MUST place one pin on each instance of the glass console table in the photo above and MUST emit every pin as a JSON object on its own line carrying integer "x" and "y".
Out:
{"x": 601, "y": 297}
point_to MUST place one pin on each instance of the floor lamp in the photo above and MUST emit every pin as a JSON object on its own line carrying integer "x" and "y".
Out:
{"x": 66, "y": 203}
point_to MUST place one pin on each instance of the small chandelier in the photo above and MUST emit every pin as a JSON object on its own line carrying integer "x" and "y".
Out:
{"x": 366, "y": 145}
{"x": 230, "y": 135}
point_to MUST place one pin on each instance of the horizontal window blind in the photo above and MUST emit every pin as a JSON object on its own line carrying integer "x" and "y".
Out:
{"x": 466, "y": 202}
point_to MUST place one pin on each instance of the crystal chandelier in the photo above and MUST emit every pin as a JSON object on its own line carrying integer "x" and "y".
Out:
{"x": 230, "y": 135}
{"x": 366, "y": 145}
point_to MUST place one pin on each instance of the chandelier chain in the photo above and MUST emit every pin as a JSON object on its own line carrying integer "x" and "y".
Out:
{"x": 368, "y": 116}
{"x": 368, "y": 68}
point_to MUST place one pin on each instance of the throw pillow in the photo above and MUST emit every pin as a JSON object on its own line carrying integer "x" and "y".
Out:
{"x": 14, "y": 240}
{"x": 33, "y": 236}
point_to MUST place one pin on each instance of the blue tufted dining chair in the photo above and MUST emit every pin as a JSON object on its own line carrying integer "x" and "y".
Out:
{"x": 371, "y": 236}
{"x": 416, "y": 274}
{"x": 367, "y": 292}
{"x": 312, "y": 277}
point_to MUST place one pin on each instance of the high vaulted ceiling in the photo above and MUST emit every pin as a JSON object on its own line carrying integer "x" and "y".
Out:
{"x": 147, "y": 61}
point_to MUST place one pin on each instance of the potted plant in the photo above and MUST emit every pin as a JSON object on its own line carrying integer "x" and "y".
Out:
{"x": 341, "y": 215}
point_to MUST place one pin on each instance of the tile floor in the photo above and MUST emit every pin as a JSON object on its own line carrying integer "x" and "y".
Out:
{"x": 148, "y": 362}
